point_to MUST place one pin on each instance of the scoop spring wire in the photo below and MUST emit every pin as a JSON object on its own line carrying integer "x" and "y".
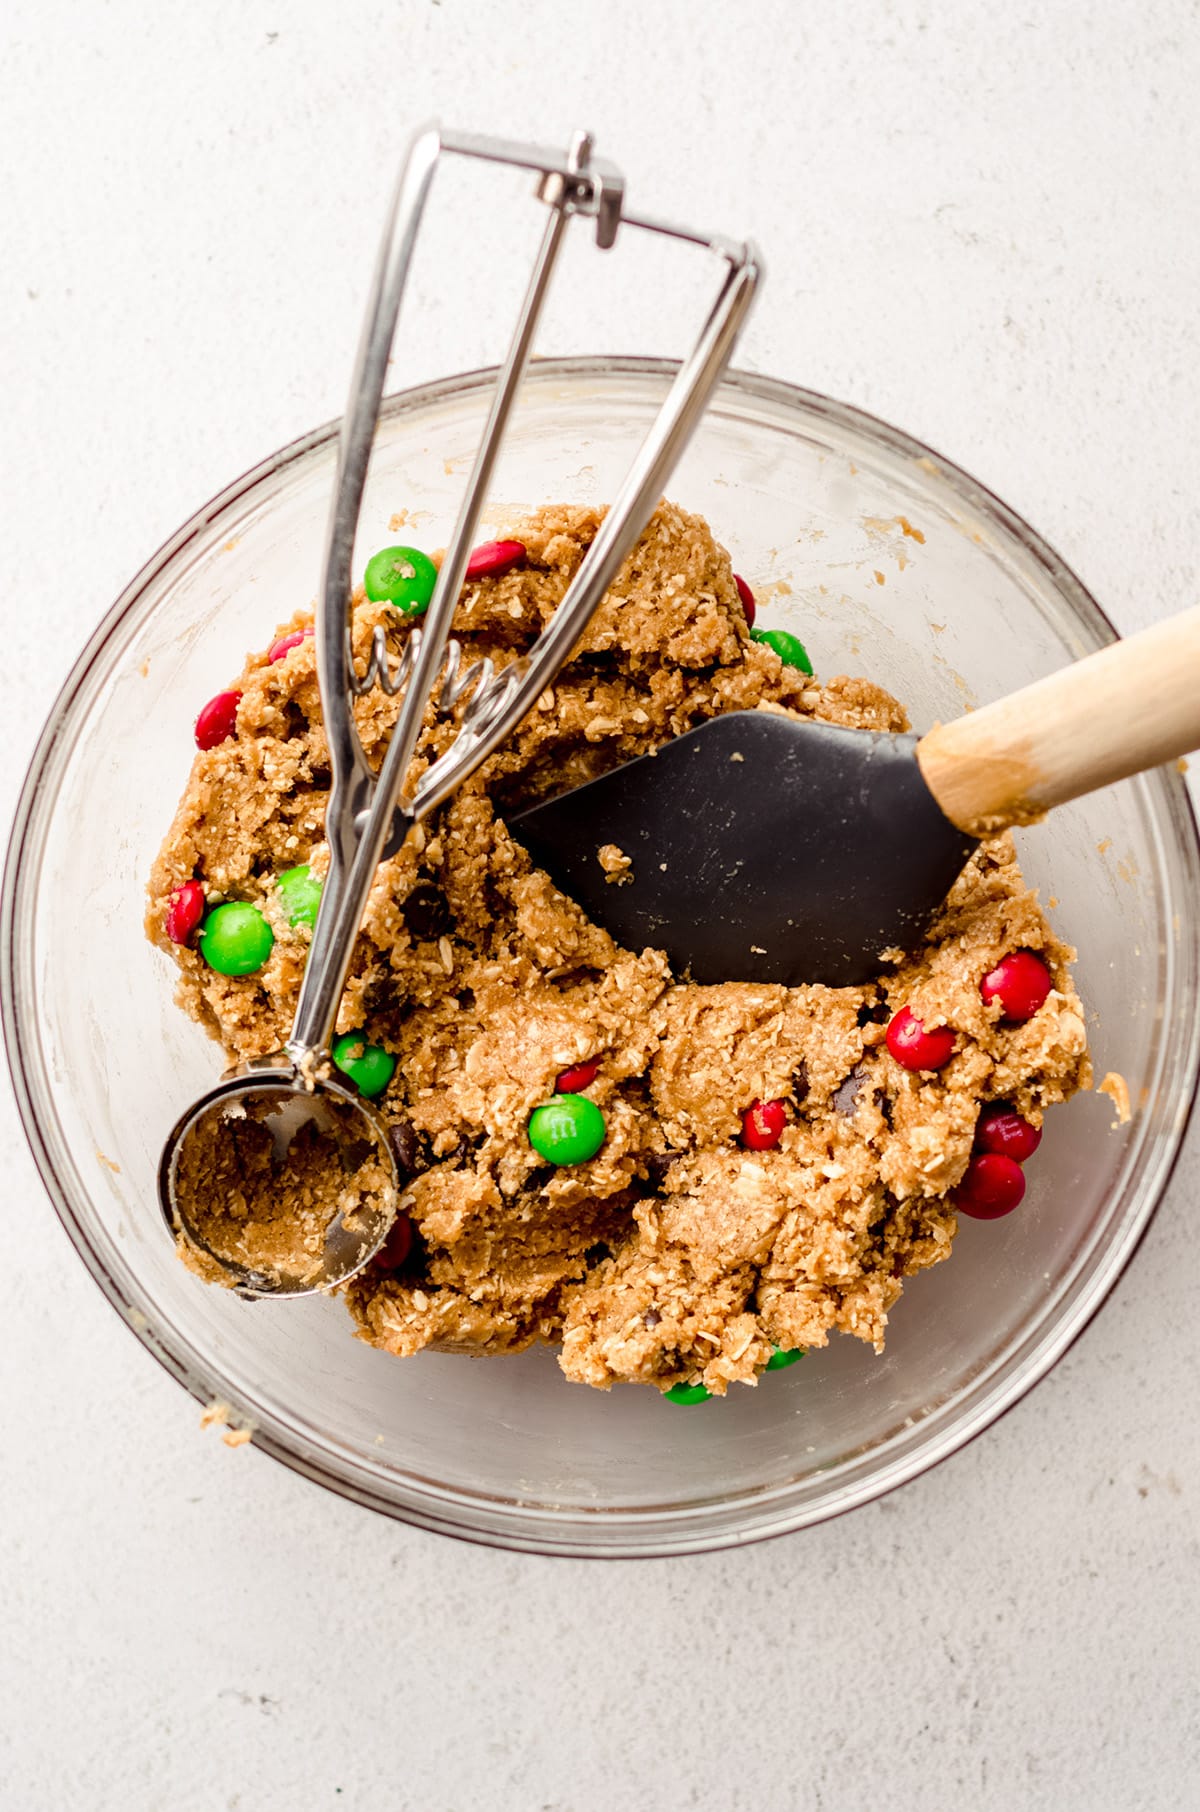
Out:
{"x": 454, "y": 679}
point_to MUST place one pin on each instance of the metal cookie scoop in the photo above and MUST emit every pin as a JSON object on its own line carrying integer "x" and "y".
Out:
{"x": 294, "y": 1094}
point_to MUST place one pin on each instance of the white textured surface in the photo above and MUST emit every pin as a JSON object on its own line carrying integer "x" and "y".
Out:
{"x": 980, "y": 222}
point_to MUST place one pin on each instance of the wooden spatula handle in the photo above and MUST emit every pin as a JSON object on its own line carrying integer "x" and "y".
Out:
{"x": 1126, "y": 708}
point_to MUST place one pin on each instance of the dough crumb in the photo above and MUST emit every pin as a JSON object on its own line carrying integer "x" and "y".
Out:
{"x": 1115, "y": 1086}
{"x": 616, "y": 864}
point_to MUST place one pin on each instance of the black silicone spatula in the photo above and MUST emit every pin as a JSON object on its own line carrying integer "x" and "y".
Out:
{"x": 765, "y": 849}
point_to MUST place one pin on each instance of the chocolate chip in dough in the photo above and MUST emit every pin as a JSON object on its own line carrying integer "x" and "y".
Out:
{"x": 427, "y": 914}
{"x": 405, "y": 1142}
{"x": 657, "y": 1164}
{"x": 844, "y": 1099}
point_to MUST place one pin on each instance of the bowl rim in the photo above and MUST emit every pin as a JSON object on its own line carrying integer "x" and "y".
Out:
{"x": 645, "y": 1531}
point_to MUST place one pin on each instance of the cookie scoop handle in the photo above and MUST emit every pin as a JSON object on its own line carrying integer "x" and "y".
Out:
{"x": 368, "y": 812}
{"x": 363, "y": 810}
{"x": 1127, "y": 708}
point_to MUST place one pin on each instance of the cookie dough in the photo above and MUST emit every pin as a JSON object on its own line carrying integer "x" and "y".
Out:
{"x": 677, "y": 1254}
{"x": 264, "y": 1198}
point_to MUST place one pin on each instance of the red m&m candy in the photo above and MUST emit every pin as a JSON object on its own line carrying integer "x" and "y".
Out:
{"x": 492, "y": 559}
{"x": 992, "y": 1186}
{"x": 1001, "y": 1129}
{"x": 747, "y": 597}
{"x": 398, "y": 1244}
{"x": 762, "y": 1124}
{"x": 283, "y": 647}
{"x": 915, "y": 1048}
{"x": 578, "y": 1077}
{"x": 185, "y": 911}
{"x": 218, "y": 720}
{"x": 1020, "y": 982}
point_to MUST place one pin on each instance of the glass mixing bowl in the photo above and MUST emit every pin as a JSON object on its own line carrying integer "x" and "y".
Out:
{"x": 889, "y": 562}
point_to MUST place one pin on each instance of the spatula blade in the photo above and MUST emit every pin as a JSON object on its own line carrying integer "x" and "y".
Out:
{"x": 762, "y": 849}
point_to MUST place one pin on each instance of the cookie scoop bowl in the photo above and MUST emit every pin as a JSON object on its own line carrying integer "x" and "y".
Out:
{"x": 972, "y": 604}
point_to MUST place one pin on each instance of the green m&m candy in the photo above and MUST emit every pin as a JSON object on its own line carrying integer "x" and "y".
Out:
{"x": 780, "y": 1358}
{"x": 568, "y": 1130}
{"x": 235, "y": 939}
{"x": 368, "y": 1066}
{"x": 402, "y": 576}
{"x": 789, "y": 648}
{"x": 687, "y": 1393}
{"x": 299, "y": 894}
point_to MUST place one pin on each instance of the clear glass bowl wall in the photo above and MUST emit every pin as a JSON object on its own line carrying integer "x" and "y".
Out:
{"x": 806, "y": 495}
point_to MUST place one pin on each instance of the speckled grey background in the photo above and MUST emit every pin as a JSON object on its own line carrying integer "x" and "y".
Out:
{"x": 981, "y": 223}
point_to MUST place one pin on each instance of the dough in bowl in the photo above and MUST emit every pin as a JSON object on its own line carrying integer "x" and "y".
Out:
{"x": 769, "y": 1171}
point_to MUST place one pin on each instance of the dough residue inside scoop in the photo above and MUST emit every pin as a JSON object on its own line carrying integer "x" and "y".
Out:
{"x": 264, "y": 1198}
